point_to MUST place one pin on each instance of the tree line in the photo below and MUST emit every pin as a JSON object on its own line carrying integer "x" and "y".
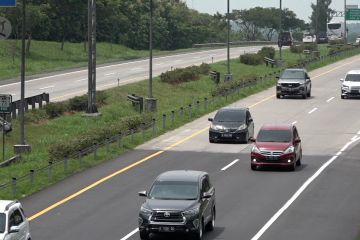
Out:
{"x": 127, "y": 22}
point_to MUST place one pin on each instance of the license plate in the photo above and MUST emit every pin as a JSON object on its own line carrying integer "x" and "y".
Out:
{"x": 166, "y": 229}
{"x": 227, "y": 135}
{"x": 270, "y": 158}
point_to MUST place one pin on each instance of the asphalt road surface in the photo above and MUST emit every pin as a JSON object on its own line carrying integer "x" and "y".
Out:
{"x": 73, "y": 83}
{"x": 319, "y": 201}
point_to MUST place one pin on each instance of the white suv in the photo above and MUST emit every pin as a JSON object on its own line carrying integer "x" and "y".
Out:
{"x": 351, "y": 84}
{"x": 13, "y": 223}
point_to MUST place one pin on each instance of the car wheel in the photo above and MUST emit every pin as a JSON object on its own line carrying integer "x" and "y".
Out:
{"x": 199, "y": 232}
{"x": 211, "y": 141}
{"x": 211, "y": 225}
{"x": 309, "y": 93}
{"x": 278, "y": 95}
{"x": 342, "y": 96}
{"x": 247, "y": 137}
{"x": 253, "y": 167}
{"x": 298, "y": 162}
{"x": 144, "y": 235}
{"x": 305, "y": 94}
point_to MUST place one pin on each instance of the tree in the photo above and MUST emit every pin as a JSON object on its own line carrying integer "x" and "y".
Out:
{"x": 321, "y": 15}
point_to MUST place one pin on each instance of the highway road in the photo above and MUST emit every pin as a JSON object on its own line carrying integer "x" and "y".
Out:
{"x": 74, "y": 83}
{"x": 319, "y": 201}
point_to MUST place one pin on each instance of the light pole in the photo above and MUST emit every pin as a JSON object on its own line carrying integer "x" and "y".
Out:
{"x": 150, "y": 100}
{"x": 345, "y": 30}
{"x": 317, "y": 20}
{"x": 280, "y": 31}
{"x": 228, "y": 36}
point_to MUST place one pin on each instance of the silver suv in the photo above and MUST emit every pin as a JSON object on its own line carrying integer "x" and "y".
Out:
{"x": 13, "y": 223}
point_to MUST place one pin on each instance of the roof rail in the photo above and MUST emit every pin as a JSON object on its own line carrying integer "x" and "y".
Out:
{"x": 11, "y": 204}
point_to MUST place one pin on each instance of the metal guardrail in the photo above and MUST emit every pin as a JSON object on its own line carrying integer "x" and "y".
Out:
{"x": 214, "y": 75}
{"x": 137, "y": 102}
{"x": 269, "y": 61}
{"x": 33, "y": 100}
{"x": 237, "y": 43}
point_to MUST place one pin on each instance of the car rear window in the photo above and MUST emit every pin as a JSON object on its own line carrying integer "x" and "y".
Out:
{"x": 230, "y": 116}
{"x": 353, "y": 77}
{"x": 293, "y": 74}
{"x": 274, "y": 136}
{"x": 174, "y": 190}
{"x": 2, "y": 222}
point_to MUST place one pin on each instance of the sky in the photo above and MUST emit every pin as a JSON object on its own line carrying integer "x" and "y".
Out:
{"x": 301, "y": 8}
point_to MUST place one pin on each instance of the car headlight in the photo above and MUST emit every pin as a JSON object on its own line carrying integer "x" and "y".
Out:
{"x": 255, "y": 149}
{"x": 191, "y": 213}
{"x": 278, "y": 84}
{"x": 289, "y": 150}
{"x": 145, "y": 212}
{"x": 344, "y": 87}
{"x": 242, "y": 127}
{"x": 217, "y": 127}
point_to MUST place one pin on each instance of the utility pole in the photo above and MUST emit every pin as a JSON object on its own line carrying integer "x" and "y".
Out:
{"x": 228, "y": 36}
{"x": 317, "y": 20}
{"x": 280, "y": 32}
{"x": 22, "y": 146}
{"x": 150, "y": 100}
{"x": 92, "y": 57}
{"x": 345, "y": 30}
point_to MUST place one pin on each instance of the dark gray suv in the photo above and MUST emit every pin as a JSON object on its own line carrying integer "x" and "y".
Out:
{"x": 294, "y": 81}
{"x": 178, "y": 202}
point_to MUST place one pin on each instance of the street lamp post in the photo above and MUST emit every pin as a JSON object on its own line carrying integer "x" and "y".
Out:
{"x": 345, "y": 30}
{"x": 228, "y": 36}
{"x": 280, "y": 31}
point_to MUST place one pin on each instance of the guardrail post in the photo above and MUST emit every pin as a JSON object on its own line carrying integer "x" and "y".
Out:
{"x": 95, "y": 150}
{"x": 197, "y": 105}
{"x": 14, "y": 186}
{"x": 182, "y": 112}
{"x": 107, "y": 145}
{"x": 66, "y": 161}
{"x": 190, "y": 111}
{"x": 50, "y": 171}
{"x": 154, "y": 126}
{"x": 172, "y": 117}
{"x": 164, "y": 121}
{"x": 205, "y": 103}
{"x": 31, "y": 175}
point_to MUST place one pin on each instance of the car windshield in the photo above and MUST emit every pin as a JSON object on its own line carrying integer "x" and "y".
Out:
{"x": 274, "y": 136}
{"x": 174, "y": 190}
{"x": 293, "y": 74}
{"x": 230, "y": 116}
{"x": 353, "y": 78}
{"x": 2, "y": 222}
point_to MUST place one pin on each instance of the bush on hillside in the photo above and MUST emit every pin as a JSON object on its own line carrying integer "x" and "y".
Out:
{"x": 297, "y": 48}
{"x": 267, "y": 52}
{"x": 251, "y": 59}
{"x": 310, "y": 46}
{"x": 187, "y": 74}
{"x": 54, "y": 110}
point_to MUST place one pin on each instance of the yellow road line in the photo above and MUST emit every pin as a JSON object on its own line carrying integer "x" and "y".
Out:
{"x": 61, "y": 202}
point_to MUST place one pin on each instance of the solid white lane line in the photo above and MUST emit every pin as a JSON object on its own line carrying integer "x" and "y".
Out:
{"x": 108, "y": 74}
{"x": 130, "y": 234}
{"x": 298, "y": 192}
{"x": 46, "y": 87}
{"x": 354, "y": 138}
{"x": 313, "y": 110}
{"x": 358, "y": 133}
{"x": 230, "y": 164}
{"x": 330, "y": 99}
{"x": 294, "y": 122}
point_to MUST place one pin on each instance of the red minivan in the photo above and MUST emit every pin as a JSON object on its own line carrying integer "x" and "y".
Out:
{"x": 277, "y": 144}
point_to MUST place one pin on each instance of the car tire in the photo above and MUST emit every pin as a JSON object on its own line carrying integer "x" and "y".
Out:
{"x": 298, "y": 162}
{"x": 305, "y": 94}
{"x": 253, "y": 167}
{"x": 342, "y": 96}
{"x": 198, "y": 235}
{"x": 211, "y": 225}
{"x": 309, "y": 93}
{"x": 144, "y": 235}
{"x": 211, "y": 141}
{"x": 278, "y": 96}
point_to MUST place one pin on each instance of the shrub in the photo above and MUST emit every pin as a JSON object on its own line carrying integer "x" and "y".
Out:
{"x": 54, "y": 110}
{"x": 336, "y": 42}
{"x": 78, "y": 103}
{"x": 310, "y": 46}
{"x": 251, "y": 59}
{"x": 267, "y": 52}
{"x": 225, "y": 87}
{"x": 181, "y": 75}
{"x": 204, "y": 68}
{"x": 36, "y": 115}
{"x": 87, "y": 139}
{"x": 296, "y": 48}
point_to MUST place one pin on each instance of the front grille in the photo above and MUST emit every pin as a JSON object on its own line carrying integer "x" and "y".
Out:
{"x": 290, "y": 85}
{"x": 166, "y": 216}
{"x": 271, "y": 153}
{"x": 355, "y": 88}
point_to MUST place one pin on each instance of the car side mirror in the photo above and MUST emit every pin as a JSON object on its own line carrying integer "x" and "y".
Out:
{"x": 250, "y": 120}
{"x": 210, "y": 119}
{"x": 143, "y": 194}
{"x": 206, "y": 195}
{"x": 298, "y": 140}
{"x": 252, "y": 139}
{"x": 341, "y": 80}
{"x": 14, "y": 229}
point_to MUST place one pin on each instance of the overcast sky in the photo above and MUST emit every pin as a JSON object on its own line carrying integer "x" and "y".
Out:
{"x": 301, "y": 7}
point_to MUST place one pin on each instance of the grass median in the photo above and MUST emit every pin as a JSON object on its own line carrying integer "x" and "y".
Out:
{"x": 42, "y": 134}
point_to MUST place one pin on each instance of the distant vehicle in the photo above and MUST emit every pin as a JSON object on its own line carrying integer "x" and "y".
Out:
{"x": 277, "y": 144}
{"x": 178, "y": 202}
{"x": 294, "y": 81}
{"x": 322, "y": 38}
{"x": 357, "y": 41}
{"x": 285, "y": 39}
{"x": 309, "y": 38}
{"x": 13, "y": 223}
{"x": 335, "y": 31}
{"x": 351, "y": 84}
{"x": 231, "y": 124}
